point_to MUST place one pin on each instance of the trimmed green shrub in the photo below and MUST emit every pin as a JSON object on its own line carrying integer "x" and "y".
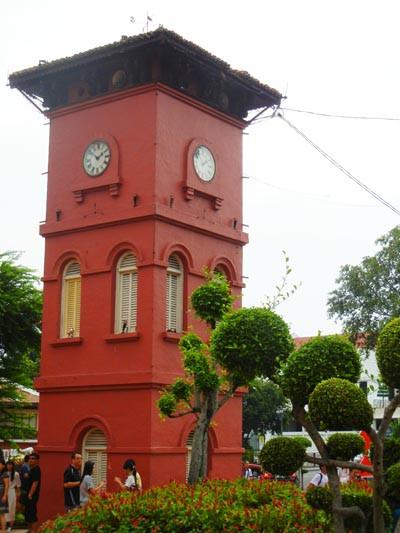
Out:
{"x": 353, "y": 494}
{"x": 388, "y": 353}
{"x": 213, "y": 299}
{"x": 345, "y": 446}
{"x": 317, "y": 360}
{"x": 391, "y": 452}
{"x": 217, "y": 505}
{"x": 393, "y": 483}
{"x": 256, "y": 334}
{"x": 282, "y": 456}
{"x": 320, "y": 498}
{"x": 304, "y": 441}
{"x": 338, "y": 405}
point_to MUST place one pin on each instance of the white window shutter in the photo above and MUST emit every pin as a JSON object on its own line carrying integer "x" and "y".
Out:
{"x": 71, "y": 301}
{"x": 126, "y": 297}
{"x": 94, "y": 449}
{"x": 174, "y": 295}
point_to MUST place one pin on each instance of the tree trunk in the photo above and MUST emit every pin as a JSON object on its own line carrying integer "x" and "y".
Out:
{"x": 334, "y": 484}
{"x": 198, "y": 463}
{"x": 379, "y": 487}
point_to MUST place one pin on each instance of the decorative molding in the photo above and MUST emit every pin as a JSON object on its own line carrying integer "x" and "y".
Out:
{"x": 123, "y": 337}
{"x": 67, "y": 341}
{"x": 171, "y": 336}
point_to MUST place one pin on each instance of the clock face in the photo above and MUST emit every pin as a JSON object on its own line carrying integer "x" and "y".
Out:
{"x": 96, "y": 158}
{"x": 204, "y": 163}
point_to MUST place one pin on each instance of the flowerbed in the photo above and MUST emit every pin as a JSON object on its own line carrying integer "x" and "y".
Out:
{"x": 212, "y": 506}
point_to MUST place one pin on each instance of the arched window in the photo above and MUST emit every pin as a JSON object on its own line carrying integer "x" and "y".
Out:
{"x": 95, "y": 449}
{"x": 174, "y": 296}
{"x": 71, "y": 301}
{"x": 126, "y": 294}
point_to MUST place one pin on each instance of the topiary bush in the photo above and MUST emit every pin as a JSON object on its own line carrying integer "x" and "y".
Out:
{"x": 320, "y": 498}
{"x": 393, "y": 483}
{"x": 391, "y": 452}
{"x": 353, "y": 494}
{"x": 388, "y": 353}
{"x": 304, "y": 441}
{"x": 213, "y": 299}
{"x": 317, "y": 360}
{"x": 338, "y": 405}
{"x": 256, "y": 334}
{"x": 345, "y": 446}
{"x": 282, "y": 456}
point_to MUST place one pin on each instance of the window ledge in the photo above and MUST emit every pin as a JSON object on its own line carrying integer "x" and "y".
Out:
{"x": 171, "y": 336}
{"x": 123, "y": 337}
{"x": 67, "y": 341}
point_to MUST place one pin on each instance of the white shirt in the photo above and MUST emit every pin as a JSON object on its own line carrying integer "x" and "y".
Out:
{"x": 130, "y": 482}
{"x": 319, "y": 480}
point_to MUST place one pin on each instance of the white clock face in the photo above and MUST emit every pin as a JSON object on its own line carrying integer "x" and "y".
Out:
{"x": 96, "y": 158}
{"x": 204, "y": 163}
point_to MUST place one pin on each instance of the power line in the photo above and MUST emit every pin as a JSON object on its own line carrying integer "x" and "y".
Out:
{"x": 339, "y": 166}
{"x": 333, "y": 115}
{"x": 319, "y": 197}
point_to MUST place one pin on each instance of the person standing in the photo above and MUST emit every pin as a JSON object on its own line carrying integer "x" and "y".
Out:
{"x": 24, "y": 473}
{"x": 4, "y": 486}
{"x": 13, "y": 492}
{"x": 248, "y": 473}
{"x": 87, "y": 487}
{"x": 33, "y": 491}
{"x": 320, "y": 479}
{"x": 72, "y": 481}
{"x": 133, "y": 480}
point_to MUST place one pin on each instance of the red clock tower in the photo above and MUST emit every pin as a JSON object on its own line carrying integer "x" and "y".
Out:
{"x": 144, "y": 191}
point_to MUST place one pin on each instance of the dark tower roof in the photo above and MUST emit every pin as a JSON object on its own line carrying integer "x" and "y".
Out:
{"x": 161, "y": 56}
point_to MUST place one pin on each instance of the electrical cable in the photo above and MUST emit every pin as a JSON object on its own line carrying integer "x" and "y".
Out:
{"x": 280, "y": 115}
{"x": 319, "y": 197}
{"x": 333, "y": 115}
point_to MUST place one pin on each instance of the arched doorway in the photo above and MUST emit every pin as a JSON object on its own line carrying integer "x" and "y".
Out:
{"x": 95, "y": 449}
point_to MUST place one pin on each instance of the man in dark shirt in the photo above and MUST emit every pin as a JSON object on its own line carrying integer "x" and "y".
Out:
{"x": 72, "y": 481}
{"x": 33, "y": 491}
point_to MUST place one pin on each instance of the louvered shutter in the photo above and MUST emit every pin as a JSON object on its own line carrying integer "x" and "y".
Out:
{"x": 71, "y": 311}
{"x": 174, "y": 295}
{"x": 94, "y": 449}
{"x": 126, "y": 298}
{"x": 189, "y": 444}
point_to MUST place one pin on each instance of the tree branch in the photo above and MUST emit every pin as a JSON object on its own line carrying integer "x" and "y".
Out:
{"x": 335, "y": 462}
{"x": 184, "y": 413}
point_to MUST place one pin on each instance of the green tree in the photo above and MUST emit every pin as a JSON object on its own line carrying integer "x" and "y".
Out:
{"x": 320, "y": 380}
{"x": 20, "y": 316}
{"x": 264, "y": 408}
{"x": 368, "y": 294}
{"x": 307, "y": 375}
{"x": 244, "y": 344}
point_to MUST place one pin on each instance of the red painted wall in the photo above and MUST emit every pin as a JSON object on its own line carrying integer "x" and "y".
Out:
{"x": 96, "y": 381}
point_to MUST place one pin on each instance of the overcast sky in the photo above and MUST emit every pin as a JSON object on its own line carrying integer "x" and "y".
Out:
{"x": 334, "y": 57}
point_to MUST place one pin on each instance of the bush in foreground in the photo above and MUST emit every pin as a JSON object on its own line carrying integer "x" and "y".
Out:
{"x": 215, "y": 505}
{"x": 353, "y": 494}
